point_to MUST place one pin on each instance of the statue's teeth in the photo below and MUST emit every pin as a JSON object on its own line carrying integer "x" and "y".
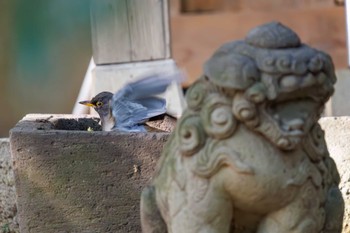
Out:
{"x": 296, "y": 124}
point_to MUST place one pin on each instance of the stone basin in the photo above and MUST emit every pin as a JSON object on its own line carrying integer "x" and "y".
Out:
{"x": 72, "y": 177}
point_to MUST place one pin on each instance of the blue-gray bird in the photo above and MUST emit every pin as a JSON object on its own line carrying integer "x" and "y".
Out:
{"x": 134, "y": 104}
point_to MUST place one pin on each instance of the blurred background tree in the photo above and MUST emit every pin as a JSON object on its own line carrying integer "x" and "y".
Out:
{"x": 45, "y": 48}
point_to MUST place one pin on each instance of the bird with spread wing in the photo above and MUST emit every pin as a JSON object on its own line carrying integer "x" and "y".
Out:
{"x": 134, "y": 104}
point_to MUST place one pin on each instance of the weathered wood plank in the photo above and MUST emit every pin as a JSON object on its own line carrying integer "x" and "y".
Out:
{"x": 110, "y": 31}
{"x": 148, "y": 23}
{"x": 166, "y": 22}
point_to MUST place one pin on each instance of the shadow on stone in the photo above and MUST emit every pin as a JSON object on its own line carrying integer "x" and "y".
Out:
{"x": 77, "y": 180}
{"x": 83, "y": 124}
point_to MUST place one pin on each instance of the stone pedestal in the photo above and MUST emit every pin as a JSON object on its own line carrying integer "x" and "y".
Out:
{"x": 337, "y": 135}
{"x": 71, "y": 179}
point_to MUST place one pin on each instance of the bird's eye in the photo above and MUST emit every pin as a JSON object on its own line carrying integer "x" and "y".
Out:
{"x": 99, "y": 104}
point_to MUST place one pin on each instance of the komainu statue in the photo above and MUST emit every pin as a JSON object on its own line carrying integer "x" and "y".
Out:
{"x": 248, "y": 154}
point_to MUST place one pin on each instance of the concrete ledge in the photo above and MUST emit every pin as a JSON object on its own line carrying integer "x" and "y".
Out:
{"x": 78, "y": 180}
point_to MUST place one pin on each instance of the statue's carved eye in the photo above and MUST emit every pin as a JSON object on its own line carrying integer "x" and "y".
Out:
{"x": 270, "y": 61}
{"x": 315, "y": 64}
{"x": 99, "y": 104}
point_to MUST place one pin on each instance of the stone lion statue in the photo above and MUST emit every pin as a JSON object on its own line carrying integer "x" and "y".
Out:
{"x": 248, "y": 154}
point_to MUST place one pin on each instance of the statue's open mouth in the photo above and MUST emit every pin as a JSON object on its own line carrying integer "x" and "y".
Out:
{"x": 298, "y": 106}
{"x": 293, "y": 108}
{"x": 293, "y": 115}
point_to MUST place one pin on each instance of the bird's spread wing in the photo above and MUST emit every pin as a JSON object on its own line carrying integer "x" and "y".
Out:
{"x": 135, "y": 103}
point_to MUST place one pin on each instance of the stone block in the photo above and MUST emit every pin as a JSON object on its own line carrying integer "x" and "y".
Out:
{"x": 70, "y": 179}
{"x": 8, "y": 210}
{"x": 337, "y": 135}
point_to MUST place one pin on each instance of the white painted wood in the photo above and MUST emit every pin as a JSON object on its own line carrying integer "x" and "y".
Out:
{"x": 338, "y": 104}
{"x": 166, "y": 22}
{"x": 110, "y": 31}
{"x": 113, "y": 77}
{"x": 347, "y": 14}
{"x": 85, "y": 91}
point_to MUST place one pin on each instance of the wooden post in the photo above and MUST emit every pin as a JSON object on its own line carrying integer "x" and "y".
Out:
{"x": 130, "y": 38}
{"x": 129, "y": 30}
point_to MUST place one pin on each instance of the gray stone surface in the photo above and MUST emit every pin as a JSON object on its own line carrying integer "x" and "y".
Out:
{"x": 78, "y": 180}
{"x": 8, "y": 210}
{"x": 338, "y": 141}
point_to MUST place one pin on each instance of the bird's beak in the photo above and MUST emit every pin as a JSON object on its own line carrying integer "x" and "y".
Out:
{"x": 87, "y": 103}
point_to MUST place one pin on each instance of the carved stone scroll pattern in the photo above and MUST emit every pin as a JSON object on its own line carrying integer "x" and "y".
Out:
{"x": 248, "y": 154}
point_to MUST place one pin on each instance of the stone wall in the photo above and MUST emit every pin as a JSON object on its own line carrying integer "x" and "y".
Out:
{"x": 8, "y": 210}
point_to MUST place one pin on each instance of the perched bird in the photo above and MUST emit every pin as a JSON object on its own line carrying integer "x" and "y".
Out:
{"x": 130, "y": 107}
